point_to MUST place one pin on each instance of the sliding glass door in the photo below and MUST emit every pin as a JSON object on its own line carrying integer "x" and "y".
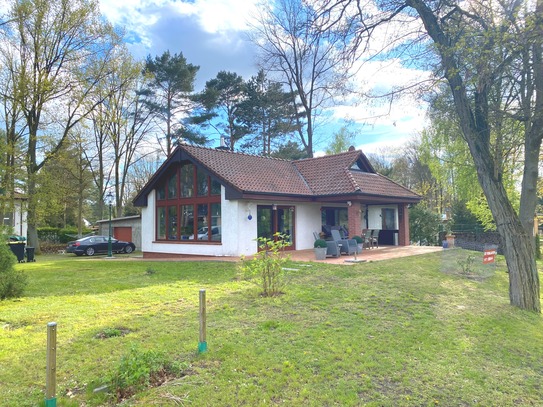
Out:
{"x": 273, "y": 219}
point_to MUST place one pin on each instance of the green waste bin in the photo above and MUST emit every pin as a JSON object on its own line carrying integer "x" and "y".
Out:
{"x": 18, "y": 249}
{"x": 30, "y": 254}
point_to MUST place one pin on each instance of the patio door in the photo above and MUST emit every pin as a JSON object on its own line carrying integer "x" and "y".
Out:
{"x": 273, "y": 219}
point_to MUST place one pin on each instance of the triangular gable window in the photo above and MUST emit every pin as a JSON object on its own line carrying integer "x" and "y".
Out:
{"x": 356, "y": 167}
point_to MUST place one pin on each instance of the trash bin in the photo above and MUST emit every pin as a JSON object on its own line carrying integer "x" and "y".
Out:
{"x": 30, "y": 254}
{"x": 18, "y": 249}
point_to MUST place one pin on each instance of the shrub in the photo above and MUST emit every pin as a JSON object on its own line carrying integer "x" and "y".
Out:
{"x": 467, "y": 265}
{"x": 537, "y": 247}
{"x": 358, "y": 239}
{"x": 58, "y": 235}
{"x": 320, "y": 243}
{"x": 12, "y": 282}
{"x": 139, "y": 369}
{"x": 424, "y": 225}
{"x": 268, "y": 264}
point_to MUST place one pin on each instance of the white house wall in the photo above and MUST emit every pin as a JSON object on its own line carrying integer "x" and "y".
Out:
{"x": 308, "y": 220}
{"x": 375, "y": 219}
{"x": 239, "y": 232}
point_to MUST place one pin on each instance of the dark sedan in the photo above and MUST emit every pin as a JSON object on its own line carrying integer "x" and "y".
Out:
{"x": 98, "y": 244}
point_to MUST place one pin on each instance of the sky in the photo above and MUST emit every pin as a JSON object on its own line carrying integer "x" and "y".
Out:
{"x": 213, "y": 35}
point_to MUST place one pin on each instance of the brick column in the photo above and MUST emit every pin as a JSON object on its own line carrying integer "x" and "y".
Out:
{"x": 354, "y": 213}
{"x": 403, "y": 227}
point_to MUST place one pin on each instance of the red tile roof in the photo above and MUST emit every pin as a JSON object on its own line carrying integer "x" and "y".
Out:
{"x": 251, "y": 173}
{"x": 348, "y": 173}
{"x": 319, "y": 176}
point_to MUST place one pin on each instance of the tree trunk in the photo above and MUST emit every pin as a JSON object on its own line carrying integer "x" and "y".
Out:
{"x": 32, "y": 231}
{"x": 474, "y": 121}
{"x": 518, "y": 250}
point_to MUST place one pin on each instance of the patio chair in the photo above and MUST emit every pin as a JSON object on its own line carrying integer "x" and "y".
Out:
{"x": 375, "y": 237}
{"x": 344, "y": 236}
{"x": 332, "y": 247}
{"x": 348, "y": 246}
{"x": 368, "y": 241}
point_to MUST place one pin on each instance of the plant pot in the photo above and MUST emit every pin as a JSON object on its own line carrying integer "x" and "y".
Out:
{"x": 320, "y": 253}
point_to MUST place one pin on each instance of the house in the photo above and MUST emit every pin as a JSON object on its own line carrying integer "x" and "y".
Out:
{"x": 205, "y": 201}
{"x": 14, "y": 215}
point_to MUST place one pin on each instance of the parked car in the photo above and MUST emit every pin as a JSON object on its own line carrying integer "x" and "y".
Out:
{"x": 202, "y": 233}
{"x": 98, "y": 244}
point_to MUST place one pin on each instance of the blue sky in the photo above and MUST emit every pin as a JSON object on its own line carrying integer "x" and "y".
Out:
{"x": 212, "y": 34}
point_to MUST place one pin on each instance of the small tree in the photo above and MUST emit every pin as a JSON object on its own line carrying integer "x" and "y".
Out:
{"x": 268, "y": 263}
{"x": 12, "y": 282}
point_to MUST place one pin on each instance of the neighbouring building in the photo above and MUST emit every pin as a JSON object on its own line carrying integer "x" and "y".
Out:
{"x": 14, "y": 215}
{"x": 205, "y": 201}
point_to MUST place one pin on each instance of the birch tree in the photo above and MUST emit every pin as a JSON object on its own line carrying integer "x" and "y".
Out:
{"x": 295, "y": 50}
{"x": 60, "y": 50}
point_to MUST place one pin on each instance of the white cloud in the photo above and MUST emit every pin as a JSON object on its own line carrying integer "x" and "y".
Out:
{"x": 211, "y": 34}
{"x": 404, "y": 114}
{"x": 212, "y": 16}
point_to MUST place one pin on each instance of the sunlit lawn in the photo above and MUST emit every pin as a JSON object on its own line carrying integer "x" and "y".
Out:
{"x": 405, "y": 332}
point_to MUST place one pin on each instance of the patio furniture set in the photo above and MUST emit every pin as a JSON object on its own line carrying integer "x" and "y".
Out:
{"x": 339, "y": 244}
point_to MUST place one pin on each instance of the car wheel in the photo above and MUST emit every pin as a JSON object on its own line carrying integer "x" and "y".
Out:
{"x": 128, "y": 249}
{"x": 89, "y": 251}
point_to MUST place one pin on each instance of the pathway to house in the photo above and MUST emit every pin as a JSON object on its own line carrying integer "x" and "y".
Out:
{"x": 375, "y": 254}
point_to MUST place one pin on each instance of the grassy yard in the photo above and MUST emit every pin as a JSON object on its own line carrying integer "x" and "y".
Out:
{"x": 431, "y": 330}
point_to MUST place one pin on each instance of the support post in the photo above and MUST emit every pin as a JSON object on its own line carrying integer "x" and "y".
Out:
{"x": 109, "y": 253}
{"x": 51, "y": 366}
{"x": 202, "y": 344}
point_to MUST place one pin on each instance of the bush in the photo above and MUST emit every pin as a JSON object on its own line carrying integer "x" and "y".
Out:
{"x": 358, "y": 239}
{"x": 12, "y": 282}
{"x": 537, "y": 247}
{"x": 58, "y": 235}
{"x": 139, "y": 369}
{"x": 320, "y": 243}
{"x": 268, "y": 264}
{"x": 424, "y": 225}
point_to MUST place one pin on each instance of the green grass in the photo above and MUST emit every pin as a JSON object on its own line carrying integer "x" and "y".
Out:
{"x": 413, "y": 331}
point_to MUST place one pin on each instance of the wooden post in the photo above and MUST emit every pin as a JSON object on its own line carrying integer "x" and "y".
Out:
{"x": 51, "y": 366}
{"x": 202, "y": 344}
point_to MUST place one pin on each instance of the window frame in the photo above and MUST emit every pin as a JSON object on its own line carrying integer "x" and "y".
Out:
{"x": 195, "y": 200}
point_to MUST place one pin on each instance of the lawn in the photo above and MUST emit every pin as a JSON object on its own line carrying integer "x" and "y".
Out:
{"x": 431, "y": 330}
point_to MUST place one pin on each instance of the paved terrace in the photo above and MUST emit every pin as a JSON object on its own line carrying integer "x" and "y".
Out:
{"x": 375, "y": 254}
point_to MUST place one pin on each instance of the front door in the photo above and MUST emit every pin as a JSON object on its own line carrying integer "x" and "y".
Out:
{"x": 271, "y": 220}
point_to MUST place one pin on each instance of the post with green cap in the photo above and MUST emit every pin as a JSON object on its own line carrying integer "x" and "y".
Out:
{"x": 51, "y": 366}
{"x": 202, "y": 344}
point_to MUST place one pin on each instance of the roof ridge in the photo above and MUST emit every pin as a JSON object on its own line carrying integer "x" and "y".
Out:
{"x": 293, "y": 164}
{"x": 214, "y": 149}
{"x": 329, "y": 155}
{"x": 352, "y": 180}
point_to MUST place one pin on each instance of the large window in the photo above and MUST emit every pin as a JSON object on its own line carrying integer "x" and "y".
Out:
{"x": 189, "y": 206}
